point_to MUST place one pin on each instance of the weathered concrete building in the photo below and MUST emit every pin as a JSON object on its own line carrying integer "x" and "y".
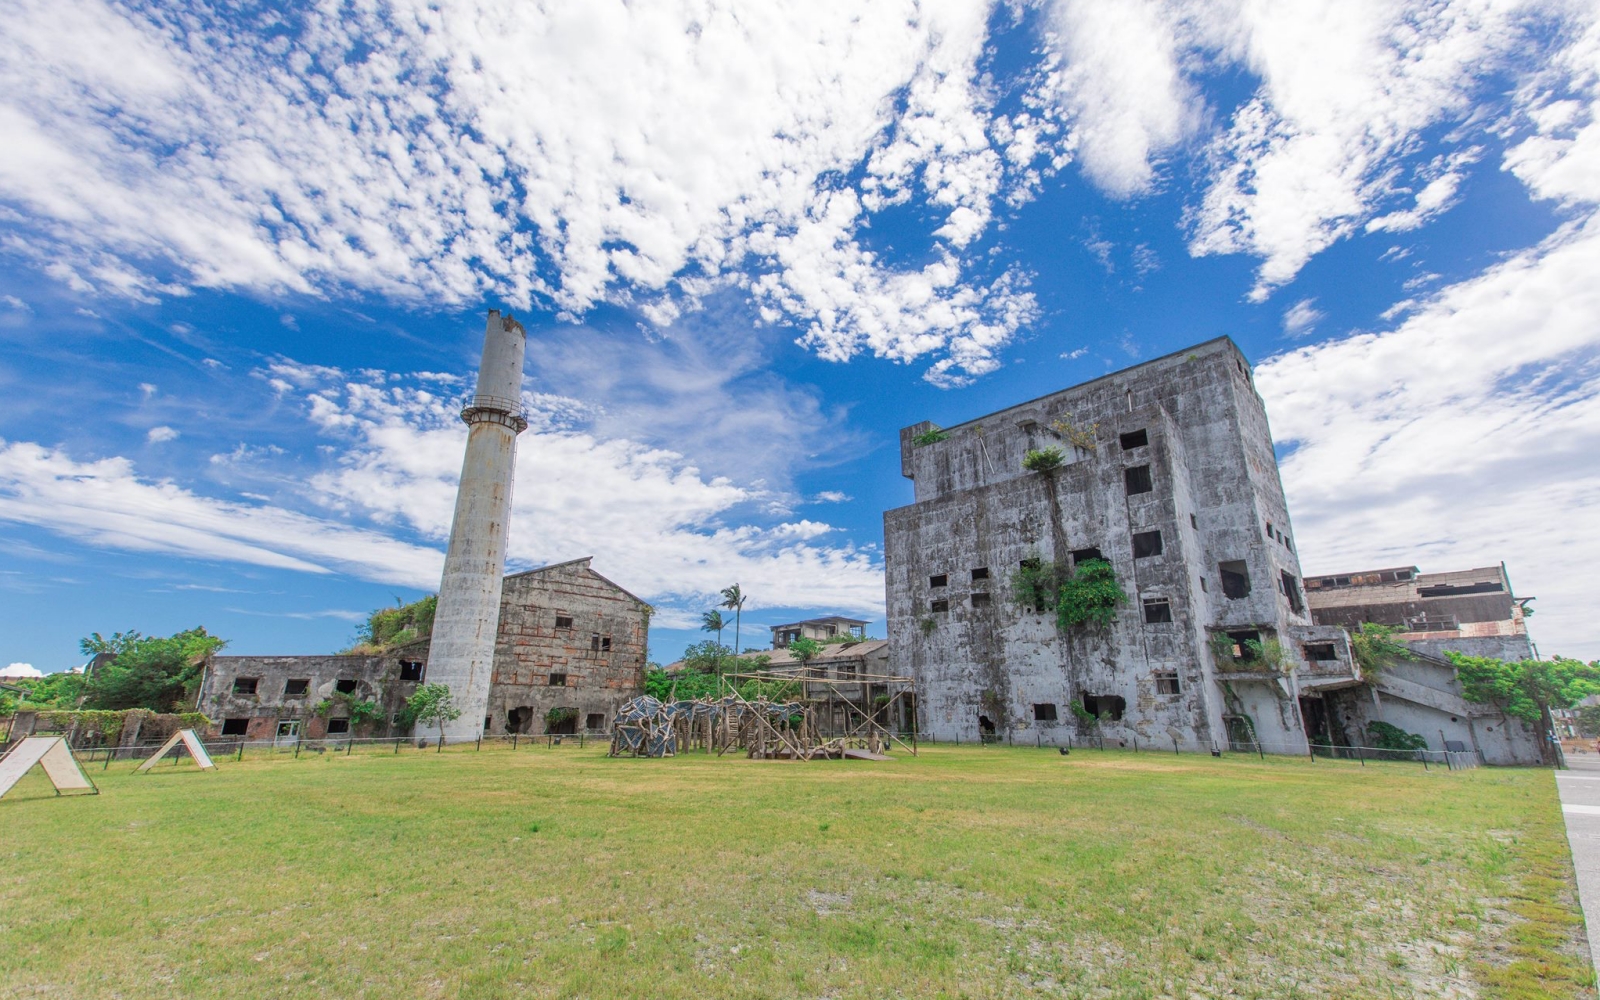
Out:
{"x": 570, "y": 648}
{"x": 1169, "y": 475}
{"x": 828, "y": 627}
{"x": 1471, "y": 611}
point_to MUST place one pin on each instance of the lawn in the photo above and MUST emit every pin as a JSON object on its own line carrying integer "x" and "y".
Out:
{"x": 966, "y": 872}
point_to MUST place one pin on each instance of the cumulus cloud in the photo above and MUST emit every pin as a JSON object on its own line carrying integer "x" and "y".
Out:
{"x": 16, "y": 670}
{"x": 1301, "y": 318}
{"x": 157, "y": 435}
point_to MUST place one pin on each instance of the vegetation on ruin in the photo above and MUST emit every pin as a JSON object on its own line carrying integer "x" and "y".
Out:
{"x": 1043, "y": 459}
{"x": 966, "y": 872}
{"x": 1090, "y": 596}
{"x": 805, "y": 650}
{"x": 1374, "y": 647}
{"x": 390, "y": 628}
{"x": 1383, "y": 736}
{"x": 159, "y": 673}
{"x": 556, "y": 716}
{"x": 1527, "y": 689}
{"x": 1087, "y": 720}
{"x": 59, "y": 691}
{"x": 431, "y": 705}
{"x": 359, "y": 711}
{"x": 1264, "y": 655}
{"x": 931, "y": 436}
{"x": 1036, "y": 583}
{"x": 1078, "y": 437}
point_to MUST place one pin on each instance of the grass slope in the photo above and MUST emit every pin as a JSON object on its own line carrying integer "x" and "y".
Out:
{"x": 966, "y": 872}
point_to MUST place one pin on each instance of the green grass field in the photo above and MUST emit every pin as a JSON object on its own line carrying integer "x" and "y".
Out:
{"x": 967, "y": 872}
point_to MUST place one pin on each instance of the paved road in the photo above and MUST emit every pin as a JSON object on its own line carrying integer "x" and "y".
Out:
{"x": 1580, "y": 804}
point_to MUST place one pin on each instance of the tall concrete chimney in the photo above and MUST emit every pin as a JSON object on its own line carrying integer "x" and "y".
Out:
{"x": 464, "y": 628}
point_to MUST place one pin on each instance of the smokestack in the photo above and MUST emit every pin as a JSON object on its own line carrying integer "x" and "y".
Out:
{"x": 468, "y": 620}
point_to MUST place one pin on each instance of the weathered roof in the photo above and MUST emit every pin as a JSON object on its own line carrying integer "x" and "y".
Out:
{"x": 833, "y": 652}
{"x": 584, "y": 564}
{"x": 824, "y": 620}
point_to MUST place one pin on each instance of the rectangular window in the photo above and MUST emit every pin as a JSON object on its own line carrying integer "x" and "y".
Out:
{"x": 1291, "y": 591}
{"x": 594, "y": 643}
{"x": 1167, "y": 683}
{"x": 939, "y": 606}
{"x": 1084, "y": 555}
{"x": 558, "y": 680}
{"x": 1203, "y": 588}
{"x": 980, "y": 599}
{"x": 1270, "y": 535}
{"x": 295, "y": 687}
{"x": 245, "y": 685}
{"x": 563, "y": 621}
{"x": 1138, "y": 479}
{"x": 1194, "y": 522}
{"x": 1321, "y": 651}
{"x": 411, "y": 670}
{"x": 1106, "y": 707}
{"x": 1146, "y": 543}
{"x": 940, "y": 580}
{"x": 235, "y": 727}
{"x": 1235, "y": 579}
{"x": 605, "y": 644}
{"x": 1157, "y": 610}
{"x": 338, "y": 726}
{"x": 1044, "y": 712}
{"x": 1135, "y": 439}
{"x": 594, "y": 721}
{"x": 981, "y": 573}
{"x": 345, "y": 685}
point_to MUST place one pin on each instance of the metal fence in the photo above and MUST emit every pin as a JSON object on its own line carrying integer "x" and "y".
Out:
{"x": 225, "y": 748}
{"x": 1453, "y": 760}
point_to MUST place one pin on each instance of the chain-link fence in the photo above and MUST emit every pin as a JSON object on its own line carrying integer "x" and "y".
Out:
{"x": 1454, "y": 760}
{"x": 232, "y": 748}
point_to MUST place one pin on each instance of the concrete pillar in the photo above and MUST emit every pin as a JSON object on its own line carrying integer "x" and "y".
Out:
{"x": 468, "y": 620}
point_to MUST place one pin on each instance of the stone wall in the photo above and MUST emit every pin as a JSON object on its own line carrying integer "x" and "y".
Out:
{"x": 368, "y": 678}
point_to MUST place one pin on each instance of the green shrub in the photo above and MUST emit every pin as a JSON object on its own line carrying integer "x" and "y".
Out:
{"x": 932, "y": 436}
{"x": 1089, "y": 597}
{"x": 1383, "y": 736}
{"x": 1043, "y": 459}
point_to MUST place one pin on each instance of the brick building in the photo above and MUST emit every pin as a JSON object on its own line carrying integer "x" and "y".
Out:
{"x": 571, "y": 648}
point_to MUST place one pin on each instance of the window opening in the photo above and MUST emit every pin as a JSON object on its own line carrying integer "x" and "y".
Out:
{"x": 980, "y": 599}
{"x": 1167, "y": 683}
{"x": 939, "y": 606}
{"x": 1138, "y": 479}
{"x": 1291, "y": 590}
{"x": 1241, "y": 645}
{"x": 296, "y": 686}
{"x": 558, "y": 680}
{"x": 235, "y": 727}
{"x": 981, "y": 573}
{"x": 1157, "y": 610}
{"x": 245, "y": 685}
{"x": 338, "y": 726}
{"x": 1044, "y": 712}
{"x": 1105, "y": 707}
{"x": 1235, "y": 579}
{"x": 594, "y": 721}
{"x": 1146, "y": 543}
{"x": 1135, "y": 439}
{"x": 345, "y": 685}
{"x": 985, "y": 726}
{"x": 605, "y": 644}
{"x": 1321, "y": 651}
{"x": 1203, "y": 588}
{"x": 940, "y": 580}
{"x": 1194, "y": 522}
{"x": 411, "y": 670}
{"x": 563, "y": 621}
{"x": 1084, "y": 555}
{"x": 594, "y": 643}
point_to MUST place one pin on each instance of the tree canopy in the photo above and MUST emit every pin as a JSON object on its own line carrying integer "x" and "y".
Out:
{"x": 161, "y": 674}
{"x": 1526, "y": 688}
{"x": 387, "y": 628}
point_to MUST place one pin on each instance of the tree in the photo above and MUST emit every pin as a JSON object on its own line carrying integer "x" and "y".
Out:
{"x": 712, "y": 621}
{"x": 1527, "y": 689}
{"x": 160, "y": 674}
{"x": 1043, "y": 459}
{"x": 804, "y": 650}
{"x": 709, "y": 657}
{"x": 433, "y": 705}
{"x": 734, "y": 598}
{"x": 60, "y": 690}
{"x": 1373, "y": 648}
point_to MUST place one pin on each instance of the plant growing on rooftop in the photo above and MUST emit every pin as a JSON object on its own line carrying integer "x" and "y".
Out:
{"x": 1043, "y": 459}
{"x": 1373, "y": 648}
{"x": 804, "y": 650}
{"x": 932, "y": 435}
{"x": 1268, "y": 654}
{"x": 1089, "y": 597}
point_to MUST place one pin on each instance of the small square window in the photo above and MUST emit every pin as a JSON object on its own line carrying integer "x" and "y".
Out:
{"x": 1157, "y": 610}
{"x": 605, "y": 644}
{"x": 338, "y": 726}
{"x": 1321, "y": 651}
{"x": 1138, "y": 479}
{"x": 558, "y": 680}
{"x": 981, "y": 573}
{"x": 1146, "y": 544}
{"x": 245, "y": 685}
{"x": 1135, "y": 439}
{"x": 235, "y": 727}
{"x": 411, "y": 670}
{"x": 1045, "y": 712}
{"x": 345, "y": 685}
{"x": 941, "y": 580}
{"x": 595, "y": 721}
{"x": 1203, "y": 588}
{"x": 594, "y": 643}
{"x": 563, "y": 621}
{"x": 1167, "y": 684}
{"x": 295, "y": 687}
{"x": 1080, "y": 556}
{"x": 1235, "y": 579}
{"x": 939, "y": 606}
{"x": 980, "y": 599}
{"x": 1194, "y": 522}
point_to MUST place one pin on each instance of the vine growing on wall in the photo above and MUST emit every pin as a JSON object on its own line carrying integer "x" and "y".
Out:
{"x": 358, "y": 711}
{"x": 1089, "y": 597}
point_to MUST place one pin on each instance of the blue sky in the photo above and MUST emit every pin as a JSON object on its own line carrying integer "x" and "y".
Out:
{"x": 246, "y": 256}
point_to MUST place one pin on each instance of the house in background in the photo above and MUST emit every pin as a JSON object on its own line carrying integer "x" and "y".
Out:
{"x": 829, "y": 627}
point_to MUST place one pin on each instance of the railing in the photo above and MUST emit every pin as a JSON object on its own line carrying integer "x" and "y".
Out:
{"x": 238, "y": 749}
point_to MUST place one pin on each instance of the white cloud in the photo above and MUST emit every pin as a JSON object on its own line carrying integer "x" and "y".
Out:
{"x": 1301, "y": 318}
{"x": 644, "y": 154}
{"x": 157, "y": 435}
{"x": 832, "y": 496}
{"x": 16, "y": 670}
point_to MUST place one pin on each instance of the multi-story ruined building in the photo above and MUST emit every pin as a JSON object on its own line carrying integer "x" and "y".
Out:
{"x": 829, "y": 627}
{"x": 1471, "y": 611}
{"x": 1168, "y": 474}
{"x": 570, "y": 649}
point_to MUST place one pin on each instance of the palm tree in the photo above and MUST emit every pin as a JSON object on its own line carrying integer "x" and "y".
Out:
{"x": 733, "y": 597}
{"x": 712, "y": 621}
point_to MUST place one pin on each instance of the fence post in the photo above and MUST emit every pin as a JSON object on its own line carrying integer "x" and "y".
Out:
{"x": 397, "y": 746}
{"x": 480, "y": 742}
{"x": 1175, "y": 746}
{"x": 241, "y": 751}
{"x": 1361, "y": 757}
{"x": 513, "y": 741}
{"x": 297, "y": 749}
{"x": 1424, "y": 755}
{"x": 1260, "y": 752}
{"x": 347, "y": 745}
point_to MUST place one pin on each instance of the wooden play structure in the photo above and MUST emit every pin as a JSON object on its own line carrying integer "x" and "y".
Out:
{"x": 50, "y": 753}
{"x": 827, "y": 721}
